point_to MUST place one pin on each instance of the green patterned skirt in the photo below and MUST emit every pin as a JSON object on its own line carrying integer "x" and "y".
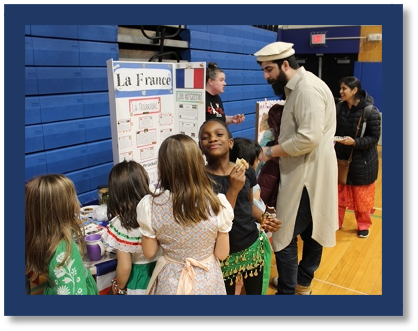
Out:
{"x": 249, "y": 262}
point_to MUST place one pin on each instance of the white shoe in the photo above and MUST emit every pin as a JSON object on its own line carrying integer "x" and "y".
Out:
{"x": 303, "y": 290}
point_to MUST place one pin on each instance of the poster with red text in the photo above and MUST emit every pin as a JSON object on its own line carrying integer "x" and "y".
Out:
{"x": 150, "y": 101}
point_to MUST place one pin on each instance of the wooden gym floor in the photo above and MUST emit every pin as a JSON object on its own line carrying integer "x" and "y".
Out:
{"x": 354, "y": 265}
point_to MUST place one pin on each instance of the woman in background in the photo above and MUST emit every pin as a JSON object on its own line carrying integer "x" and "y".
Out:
{"x": 358, "y": 194}
{"x": 215, "y": 84}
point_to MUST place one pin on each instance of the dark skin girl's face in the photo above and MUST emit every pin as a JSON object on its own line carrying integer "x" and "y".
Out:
{"x": 214, "y": 140}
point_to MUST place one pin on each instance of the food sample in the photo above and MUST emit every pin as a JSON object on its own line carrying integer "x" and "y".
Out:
{"x": 242, "y": 162}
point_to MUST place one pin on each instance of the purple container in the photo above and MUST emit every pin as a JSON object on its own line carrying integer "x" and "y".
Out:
{"x": 95, "y": 247}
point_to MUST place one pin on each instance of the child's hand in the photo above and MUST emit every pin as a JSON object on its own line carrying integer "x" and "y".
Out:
{"x": 272, "y": 224}
{"x": 237, "y": 178}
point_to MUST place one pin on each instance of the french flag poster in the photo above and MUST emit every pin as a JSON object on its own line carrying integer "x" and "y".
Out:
{"x": 190, "y": 78}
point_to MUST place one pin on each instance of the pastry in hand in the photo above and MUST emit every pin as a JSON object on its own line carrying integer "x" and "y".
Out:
{"x": 243, "y": 163}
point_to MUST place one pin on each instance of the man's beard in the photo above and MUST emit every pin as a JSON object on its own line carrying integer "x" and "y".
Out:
{"x": 278, "y": 84}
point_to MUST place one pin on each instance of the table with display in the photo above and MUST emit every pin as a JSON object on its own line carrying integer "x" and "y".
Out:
{"x": 103, "y": 270}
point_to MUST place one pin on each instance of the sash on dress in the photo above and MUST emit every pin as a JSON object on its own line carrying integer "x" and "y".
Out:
{"x": 187, "y": 276}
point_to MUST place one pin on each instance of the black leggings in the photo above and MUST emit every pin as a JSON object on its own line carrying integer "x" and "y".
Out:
{"x": 252, "y": 285}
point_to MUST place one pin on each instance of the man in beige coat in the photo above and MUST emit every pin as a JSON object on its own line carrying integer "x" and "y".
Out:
{"x": 307, "y": 201}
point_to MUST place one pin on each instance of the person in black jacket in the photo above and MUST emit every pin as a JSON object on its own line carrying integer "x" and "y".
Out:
{"x": 358, "y": 193}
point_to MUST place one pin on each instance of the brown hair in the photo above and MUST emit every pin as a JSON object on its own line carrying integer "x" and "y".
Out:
{"x": 182, "y": 171}
{"x": 128, "y": 184}
{"x": 212, "y": 71}
{"x": 51, "y": 212}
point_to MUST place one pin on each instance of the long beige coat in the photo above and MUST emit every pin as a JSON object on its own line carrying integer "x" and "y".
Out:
{"x": 307, "y": 135}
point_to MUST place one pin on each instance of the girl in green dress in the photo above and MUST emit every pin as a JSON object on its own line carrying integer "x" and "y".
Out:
{"x": 51, "y": 234}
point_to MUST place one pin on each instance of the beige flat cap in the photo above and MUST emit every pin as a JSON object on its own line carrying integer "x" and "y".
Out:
{"x": 275, "y": 51}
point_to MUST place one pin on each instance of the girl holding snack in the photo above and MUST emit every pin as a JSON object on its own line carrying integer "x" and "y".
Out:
{"x": 250, "y": 151}
{"x": 236, "y": 180}
{"x": 128, "y": 184}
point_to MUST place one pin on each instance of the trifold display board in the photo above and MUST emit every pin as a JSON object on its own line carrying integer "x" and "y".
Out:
{"x": 150, "y": 101}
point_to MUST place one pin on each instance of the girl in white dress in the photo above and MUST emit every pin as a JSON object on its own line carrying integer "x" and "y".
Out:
{"x": 128, "y": 184}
